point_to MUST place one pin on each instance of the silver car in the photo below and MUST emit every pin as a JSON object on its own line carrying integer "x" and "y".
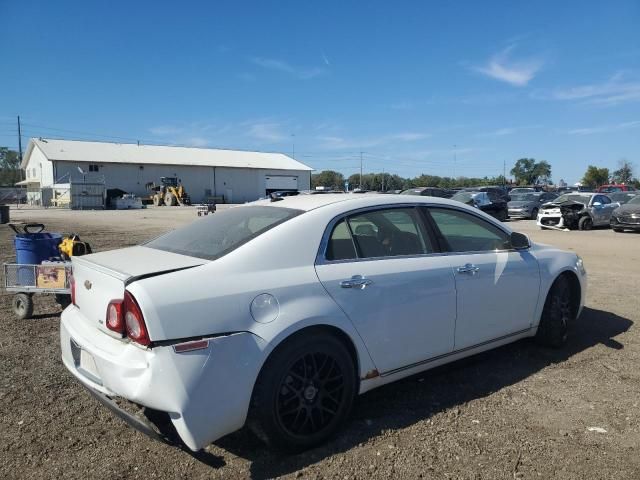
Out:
{"x": 581, "y": 211}
{"x": 527, "y": 204}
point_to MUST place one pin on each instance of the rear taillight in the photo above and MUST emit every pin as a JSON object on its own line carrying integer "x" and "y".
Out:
{"x": 134, "y": 321}
{"x": 72, "y": 285}
{"x": 115, "y": 319}
{"x": 125, "y": 318}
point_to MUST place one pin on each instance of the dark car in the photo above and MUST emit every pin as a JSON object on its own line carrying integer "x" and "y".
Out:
{"x": 627, "y": 216}
{"x": 488, "y": 202}
{"x": 527, "y": 205}
{"x": 499, "y": 191}
{"x": 429, "y": 192}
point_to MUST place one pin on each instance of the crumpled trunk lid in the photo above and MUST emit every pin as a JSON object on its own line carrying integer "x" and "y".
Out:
{"x": 103, "y": 277}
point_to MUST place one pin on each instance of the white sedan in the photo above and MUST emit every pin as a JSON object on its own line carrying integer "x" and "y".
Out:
{"x": 276, "y": 314}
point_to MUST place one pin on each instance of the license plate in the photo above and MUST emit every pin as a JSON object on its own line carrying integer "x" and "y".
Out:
{"x": 88, "y": 364}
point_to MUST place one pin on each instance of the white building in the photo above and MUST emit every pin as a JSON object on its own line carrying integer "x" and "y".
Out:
{"x": 238, "y": 176}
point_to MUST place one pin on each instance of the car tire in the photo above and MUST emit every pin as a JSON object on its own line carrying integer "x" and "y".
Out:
{"x": 585, "y": 223}
{"x": 304, "y": 392}
{"x": 157, "y": 201}
{"x": 23, "y": 306}
{"x": 534, "y": 214}
{"x": 556, "y": 315}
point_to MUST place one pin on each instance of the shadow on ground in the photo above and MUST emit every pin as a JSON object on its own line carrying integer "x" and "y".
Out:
{"x": 408, "y": 401}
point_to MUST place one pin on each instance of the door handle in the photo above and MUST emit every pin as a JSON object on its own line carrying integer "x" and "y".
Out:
{"x": 469, "y": 269}
{"x": 357, "y": 281}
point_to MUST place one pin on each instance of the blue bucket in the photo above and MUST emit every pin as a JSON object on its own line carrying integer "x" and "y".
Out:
{"x": 34, "y": 248}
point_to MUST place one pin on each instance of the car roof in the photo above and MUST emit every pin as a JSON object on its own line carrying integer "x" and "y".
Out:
{"x": 361, "y": 200}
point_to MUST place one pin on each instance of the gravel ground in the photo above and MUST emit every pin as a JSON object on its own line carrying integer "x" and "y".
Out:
{"x": 516, "y": 412}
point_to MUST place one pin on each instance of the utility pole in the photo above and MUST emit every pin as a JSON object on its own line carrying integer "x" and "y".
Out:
{"x": 20, "y": 147}
{"x": 361, "y": 152}
{"x": 504, "y": 173}
{"x": 455, "y": 159}
{"x": 19, "y": 140}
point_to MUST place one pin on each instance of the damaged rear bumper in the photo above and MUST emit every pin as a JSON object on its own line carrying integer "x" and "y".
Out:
{"x": 204, "y": 394}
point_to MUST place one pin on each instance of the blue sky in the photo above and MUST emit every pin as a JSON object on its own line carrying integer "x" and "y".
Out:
{"x": 401, "y": 81}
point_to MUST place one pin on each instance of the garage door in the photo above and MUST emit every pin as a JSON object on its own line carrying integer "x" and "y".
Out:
{"x": 278, "y": 182}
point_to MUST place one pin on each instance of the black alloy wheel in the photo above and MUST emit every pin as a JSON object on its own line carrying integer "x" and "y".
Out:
{"x": 557, "y": 314}
{"x": 310, "y": 394}
{"x": 304, "y": 392}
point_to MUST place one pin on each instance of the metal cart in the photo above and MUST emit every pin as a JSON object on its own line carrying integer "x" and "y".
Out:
{"x": 28, "y": 280}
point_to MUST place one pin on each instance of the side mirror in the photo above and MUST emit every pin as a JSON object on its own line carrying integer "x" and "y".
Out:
{"x": 597, "y": 204}
{"x": 519, "y": 241}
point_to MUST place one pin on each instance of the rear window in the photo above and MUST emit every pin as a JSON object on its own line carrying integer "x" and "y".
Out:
{"x": 222, "y": 232}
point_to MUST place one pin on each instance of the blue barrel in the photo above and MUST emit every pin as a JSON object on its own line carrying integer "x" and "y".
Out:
{"x": 36, "y": 247}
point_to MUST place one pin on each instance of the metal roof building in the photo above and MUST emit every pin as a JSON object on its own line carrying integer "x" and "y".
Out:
{"x": 238, "y": 176}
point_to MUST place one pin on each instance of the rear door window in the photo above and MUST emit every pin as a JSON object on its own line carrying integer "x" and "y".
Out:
{"x": 379, "y": 233}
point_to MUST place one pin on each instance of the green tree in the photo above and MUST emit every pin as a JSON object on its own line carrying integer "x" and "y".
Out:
{"x": 594, "y": 176}
{"x": 329, "y": 179}
{"x": 528, "y": 172}
{"x": 624, "y": 174}
{"x": 9, "y": 167}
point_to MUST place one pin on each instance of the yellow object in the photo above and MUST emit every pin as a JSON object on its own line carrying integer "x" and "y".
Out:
{"x": 73, "y": 246}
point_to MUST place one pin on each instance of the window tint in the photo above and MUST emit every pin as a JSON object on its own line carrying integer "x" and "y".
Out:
{"x": 467, "y": 233}
{"x": 216, "y": 235}
{"x": 387, "y": 233}
{"x": 340, "y": 245}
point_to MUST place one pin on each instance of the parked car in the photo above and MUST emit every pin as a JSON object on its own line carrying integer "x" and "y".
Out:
{"x": 496, "y": 190}
{"x": 581, "y": 211}
{"x": 324, "y": 297}
{"x": 610, "y": 188}
{"x": 517, "y": 190}
{"x": 622, "y": 197}
{"x": 627, "y": 216}
{"x": 488, "y": 202}
{"x": 429, "y": 192}
{"x": 527, "y": 205}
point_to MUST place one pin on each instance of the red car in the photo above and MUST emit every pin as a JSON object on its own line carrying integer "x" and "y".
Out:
{"x": 615, "y": 188}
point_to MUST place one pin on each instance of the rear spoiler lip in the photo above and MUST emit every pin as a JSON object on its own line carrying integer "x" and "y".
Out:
{"x": 127, "y": 278}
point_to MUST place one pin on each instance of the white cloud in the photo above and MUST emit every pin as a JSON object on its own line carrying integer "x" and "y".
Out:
{"x": 514, "y": 72}
{"x": 502, "y": 132}
{"x": 612, "y": 92}
{"x": 267, "y": 132}
{"x": 194, "y": 134}
{"x": 335, "y": 142}
{"x": 604, "y": 128}
{"x": 403, "y": 105}
{"x": 302, "y": 73}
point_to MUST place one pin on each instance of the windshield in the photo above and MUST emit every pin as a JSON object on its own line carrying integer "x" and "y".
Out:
{"x": 524, "y": 197}
{"x": 220, "y": 233}
{"x": 412, "y": 191}
{"x": 573, "y": 197}
{"x": 634, "y": 201}
{"x": 463, "y": 197}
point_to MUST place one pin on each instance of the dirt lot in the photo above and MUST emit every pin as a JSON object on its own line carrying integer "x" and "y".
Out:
{"x": 516, "y": 412}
